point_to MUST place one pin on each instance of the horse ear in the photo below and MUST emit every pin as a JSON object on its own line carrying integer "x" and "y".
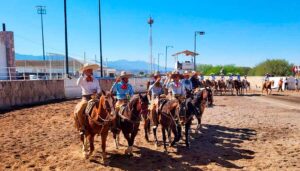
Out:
{"x": 103, "y": 92}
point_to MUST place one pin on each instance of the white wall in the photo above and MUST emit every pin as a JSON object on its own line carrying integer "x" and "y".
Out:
{"x": 3, "y": 62}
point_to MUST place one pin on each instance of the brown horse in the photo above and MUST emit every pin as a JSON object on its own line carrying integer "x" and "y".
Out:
{"x": 166, "y": 114}
{"x": 267, "y": 85}
{"x": 199, "y": 101}
{"x": 221, "y": 87}
{"x": 97, "y": 123}
{"x": 129, "y": 118}
{"x": 238, "y": 87}
{"x": 245, "y": 86}
{"x": 230, "y": 86}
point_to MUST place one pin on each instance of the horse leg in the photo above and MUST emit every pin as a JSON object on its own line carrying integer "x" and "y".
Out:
{"x": 169, "y": 136}
{"x": 164, "y": 138}
{"x": 92, "y": 147}
{"x": 187, "y": 133}
{"x": 116, "y": 138}
{"x": 155, "y": 136}
{"x": 132, "y": 137}
{"x": 85, "y": 147}
{"x": 147, "y": 129}
{"x": 127, "y": 137}
{"x": 103, "y": 144}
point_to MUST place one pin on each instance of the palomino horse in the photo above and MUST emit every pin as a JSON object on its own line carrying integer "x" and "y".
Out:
{"x": 97, "y": 123}
{"x": 166, "y": 115}
{"x": 129, "y": 118}
{"x": 267, "y": 85}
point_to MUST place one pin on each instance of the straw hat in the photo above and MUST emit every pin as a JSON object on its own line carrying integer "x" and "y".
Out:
{"x": 187, "y": 73}
{"x": 176, "y": 74}
{"x": 125, "y": 75}
{"x": 87, "y": 66}
{"x": 157, "y": 73}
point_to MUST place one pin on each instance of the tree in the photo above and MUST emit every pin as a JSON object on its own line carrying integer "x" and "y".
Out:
{"x": 276, "y": 67}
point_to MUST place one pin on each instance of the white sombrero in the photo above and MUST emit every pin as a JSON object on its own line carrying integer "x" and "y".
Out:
{"x": 124, "y": 74}
{"x": 89, "y": 66}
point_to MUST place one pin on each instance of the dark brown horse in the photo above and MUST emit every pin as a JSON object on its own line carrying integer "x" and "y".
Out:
{"x": 267, "y": 85}
{"x": 166, "y": 114}
{"x": 129, "y": 118}
{"x": 199, "y": 101}
{"x": 238, "y": 87}
{"x": 97, "y": 123}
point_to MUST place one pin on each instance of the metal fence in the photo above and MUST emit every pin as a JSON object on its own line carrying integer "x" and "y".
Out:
{"x": 31, "y": 73}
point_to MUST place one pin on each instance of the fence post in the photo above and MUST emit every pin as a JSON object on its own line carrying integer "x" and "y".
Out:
{"x": 9, "y": 73}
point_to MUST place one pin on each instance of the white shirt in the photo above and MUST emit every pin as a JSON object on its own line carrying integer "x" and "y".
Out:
{"x": 88, "y": 88}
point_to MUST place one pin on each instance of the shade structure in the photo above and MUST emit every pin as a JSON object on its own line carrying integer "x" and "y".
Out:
{"x": 186, "y": 53}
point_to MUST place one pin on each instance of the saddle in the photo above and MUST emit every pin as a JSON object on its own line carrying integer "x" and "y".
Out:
{"x": 91, "y": 104}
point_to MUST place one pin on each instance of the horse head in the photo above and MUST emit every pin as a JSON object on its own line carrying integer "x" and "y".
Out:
{"x": 106, "y": 103}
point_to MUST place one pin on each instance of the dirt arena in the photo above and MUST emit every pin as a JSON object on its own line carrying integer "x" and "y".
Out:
{"x": 244, "y": 132}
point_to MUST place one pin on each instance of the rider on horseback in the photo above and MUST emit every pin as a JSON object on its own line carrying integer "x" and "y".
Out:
{"x": 213, "y": 77}
{"x": 156, "y": 88}
{"x": 186, "y": 82}
{"x": 124, "y": 92}
{"x": 175, "y": 87}
{"x": 267, "y": 77}
{"x": 194, "y": 80}
{"x": 230, "y": 77}
{"x": 238, "y": 77}
{"x": 90, "y": 89}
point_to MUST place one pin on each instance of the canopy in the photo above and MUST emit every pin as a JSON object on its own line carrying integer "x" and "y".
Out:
{"x": 186, "y": 53}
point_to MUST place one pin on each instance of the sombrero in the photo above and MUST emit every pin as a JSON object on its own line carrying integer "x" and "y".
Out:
{"x": 87, "y": 66}
{"x": 124, "y": 74}
{"x": 176, "y": 74}
{"x": 187, "y": 73}
{"x": 157, "y": 73}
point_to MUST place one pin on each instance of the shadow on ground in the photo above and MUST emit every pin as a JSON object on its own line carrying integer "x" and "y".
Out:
{"x": 216, "y": 144}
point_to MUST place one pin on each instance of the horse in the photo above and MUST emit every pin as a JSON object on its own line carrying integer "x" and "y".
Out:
{"x": 245, "y": 85}
{"x": 230, "y": 86}
{"x": 199, "y": 102}
{"x": 221, "y": 86}
{"x": 128, "y": 120}
{"x": 210, "y": 97}
{"x": 166, "y": 115}
{"x": 268, "y": 86}
{"x": 238, "y": 86}
{"x": 98, "y": 122}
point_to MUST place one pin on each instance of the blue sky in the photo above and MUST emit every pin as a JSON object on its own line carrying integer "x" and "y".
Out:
{"x": 240, "y": 32}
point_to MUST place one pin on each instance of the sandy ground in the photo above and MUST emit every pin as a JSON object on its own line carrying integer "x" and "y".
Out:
{"x": 247, "y": 133}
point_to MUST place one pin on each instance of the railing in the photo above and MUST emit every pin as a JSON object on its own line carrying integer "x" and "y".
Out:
{"x": 32, "y": 73}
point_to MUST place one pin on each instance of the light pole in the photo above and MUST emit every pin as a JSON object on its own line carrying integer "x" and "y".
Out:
{"x": 100, "y": 39}
{"x": 150, "y": 22}
{"x": 42, "y": 11}
{"x": 195, "y": 38}
{"x": 167, "y": 57}
{"x": 158, "y": 55}
{"x": 66, "y": 39}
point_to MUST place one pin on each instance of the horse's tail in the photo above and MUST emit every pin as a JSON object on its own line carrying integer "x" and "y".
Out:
{"x": 78, "y": 115}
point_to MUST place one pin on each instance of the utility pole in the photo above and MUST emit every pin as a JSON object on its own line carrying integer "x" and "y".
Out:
{"x": 166, "y": 59}
{"x": 150, "y": 22}
{"x": 42, "y": 11}
{"x": 100, "y": 39}
{"x": 66, "y": 39}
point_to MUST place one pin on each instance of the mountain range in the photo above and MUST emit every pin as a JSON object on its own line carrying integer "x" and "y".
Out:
{"x": 132, "y": 66}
